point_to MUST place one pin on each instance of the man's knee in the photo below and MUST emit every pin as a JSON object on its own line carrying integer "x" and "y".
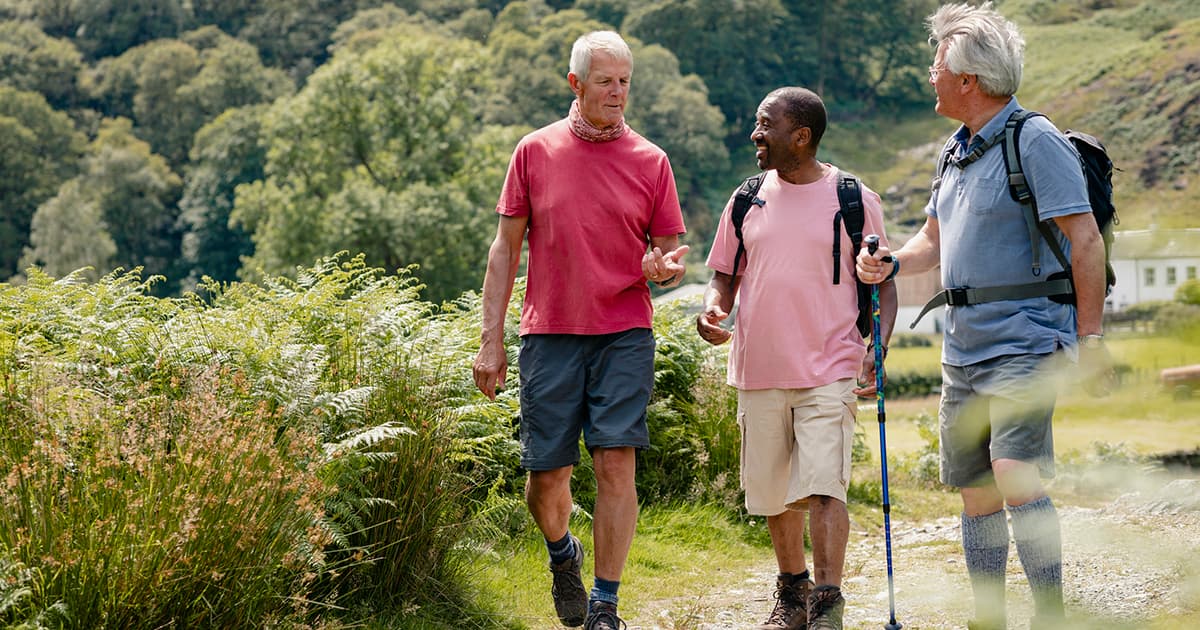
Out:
{"x": 614, "y": 465}
{"x": 1018, "y": 481}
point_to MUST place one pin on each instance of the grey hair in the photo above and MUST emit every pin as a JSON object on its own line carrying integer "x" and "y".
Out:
{"x": 980, "y": 41}
{"x": 589, "y": 43}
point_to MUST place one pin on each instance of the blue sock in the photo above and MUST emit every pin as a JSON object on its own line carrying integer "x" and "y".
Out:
{"x": 985, "y": 545}
{"x": 562, "y": 549}
{"x": 605, "y": 590}
{"x": 1038, "y": 535}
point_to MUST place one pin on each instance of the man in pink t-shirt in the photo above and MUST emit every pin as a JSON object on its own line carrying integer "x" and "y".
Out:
{"x": 796, "y": 352}
{"x": 597, "y": 202}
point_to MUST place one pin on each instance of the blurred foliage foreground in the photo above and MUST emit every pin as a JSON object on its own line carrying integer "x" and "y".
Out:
{"x": 278, "y": 453}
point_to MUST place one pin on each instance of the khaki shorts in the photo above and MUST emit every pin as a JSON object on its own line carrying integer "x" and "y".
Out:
{"x": 795, "y": 444}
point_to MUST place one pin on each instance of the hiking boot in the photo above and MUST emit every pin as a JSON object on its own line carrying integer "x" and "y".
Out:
{"x": 603, "y": 616}
{"x": 791, "y": 606}
{"x": 570, "y": 599}
{"x": 825, "y": 607}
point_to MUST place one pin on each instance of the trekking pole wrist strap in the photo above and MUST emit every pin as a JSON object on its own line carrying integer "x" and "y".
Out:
{"x": 895, "y": 268}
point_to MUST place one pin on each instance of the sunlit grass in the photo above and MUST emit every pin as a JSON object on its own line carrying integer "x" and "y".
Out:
{"x": 683, "y": 555}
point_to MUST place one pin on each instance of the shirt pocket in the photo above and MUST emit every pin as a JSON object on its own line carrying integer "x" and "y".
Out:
{"x": 982, "y": 196}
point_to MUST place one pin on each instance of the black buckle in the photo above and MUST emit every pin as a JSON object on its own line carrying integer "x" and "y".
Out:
{"x": 956, "y": 297}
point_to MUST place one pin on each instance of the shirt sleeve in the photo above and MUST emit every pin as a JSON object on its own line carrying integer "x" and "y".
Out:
{"x": 720, "y": 257}
{"x": 514, "y": 196}
{"x": 667, "y": 219}
{"x": 1055, "y": 175}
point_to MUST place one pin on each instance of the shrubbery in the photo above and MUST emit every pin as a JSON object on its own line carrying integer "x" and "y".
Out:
{"x": 257, "y": 455}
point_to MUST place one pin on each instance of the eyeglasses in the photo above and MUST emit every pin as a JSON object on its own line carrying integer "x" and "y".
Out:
{"x": 934, "y": 71}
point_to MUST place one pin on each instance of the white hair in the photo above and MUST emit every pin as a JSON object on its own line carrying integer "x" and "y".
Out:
{"x": 587, "y": 44}
{"x": 979, "y": 41}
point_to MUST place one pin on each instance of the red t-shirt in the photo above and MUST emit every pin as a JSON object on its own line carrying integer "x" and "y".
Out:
{"x": 592, "y": 209}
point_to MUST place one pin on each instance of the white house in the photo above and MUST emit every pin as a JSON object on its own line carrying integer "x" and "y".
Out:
{"x": 1151, "y": 264}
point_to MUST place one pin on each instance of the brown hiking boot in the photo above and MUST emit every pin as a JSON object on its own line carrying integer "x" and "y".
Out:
{"x": 570, "y": 599}
{"x": 825, "y": 607}
{"x": 791, "y": 601}
{"x": 603, "y": 616}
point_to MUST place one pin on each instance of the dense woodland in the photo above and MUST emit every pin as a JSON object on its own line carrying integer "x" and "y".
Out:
{"x": 230, "y": 138}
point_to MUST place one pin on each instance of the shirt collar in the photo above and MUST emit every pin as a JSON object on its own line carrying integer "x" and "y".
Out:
{"x": 991, "y": 128}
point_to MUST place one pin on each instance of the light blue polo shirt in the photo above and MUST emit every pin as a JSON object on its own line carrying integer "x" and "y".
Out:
{"x": 985, "y": 243}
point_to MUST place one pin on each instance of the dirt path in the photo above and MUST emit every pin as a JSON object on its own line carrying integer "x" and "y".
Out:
{"x": 1137, "y": 557}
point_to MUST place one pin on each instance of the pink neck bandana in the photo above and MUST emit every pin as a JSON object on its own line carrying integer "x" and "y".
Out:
{"x": 587, "y": 131}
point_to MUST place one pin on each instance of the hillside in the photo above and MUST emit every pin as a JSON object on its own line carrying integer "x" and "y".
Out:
{"x": 1127, "y": 74}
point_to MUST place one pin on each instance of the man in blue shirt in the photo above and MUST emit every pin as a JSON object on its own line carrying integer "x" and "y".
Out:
{"x": 1001, "y": 359}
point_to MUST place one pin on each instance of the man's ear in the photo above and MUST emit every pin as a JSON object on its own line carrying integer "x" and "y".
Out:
{"x": 575, "y": 83}
{"x": 802, "y": 136}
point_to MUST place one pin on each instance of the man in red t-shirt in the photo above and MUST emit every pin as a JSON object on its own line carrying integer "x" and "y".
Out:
{"x": 597, "y": 202}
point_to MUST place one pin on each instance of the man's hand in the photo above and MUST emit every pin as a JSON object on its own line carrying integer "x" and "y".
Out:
{"x": 866, "y": 376}
{"x": 666, "y": 270}
{"x": 1096, "y": 372}
{"x": 874, "y": 268}
{"x": 708, "y": 324}
{"x": 490, "y": 368}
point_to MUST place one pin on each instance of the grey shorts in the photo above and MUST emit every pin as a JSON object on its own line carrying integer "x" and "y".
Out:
{"x": 597, "y": 385}
{"x": 997, "y": 409}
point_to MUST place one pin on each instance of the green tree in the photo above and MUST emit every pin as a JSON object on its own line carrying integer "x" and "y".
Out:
{"x": 136, "y": 193}
{"x": 380, "y": 153}
{"x": 1188, "y": 292}
{"x": 171, "y": 87}
{"x": 294, "y": 34}
{"x": 104, "y": 28}
{"x": 39, "y": 150}
{"x": 883, "y": 64}
{"x": 227, "y": 152}
{"x": 527, "y": 35}
{"x": 68, "y": 233}
{"x": 31, "y": 60}
{"x": 731, "y": 44}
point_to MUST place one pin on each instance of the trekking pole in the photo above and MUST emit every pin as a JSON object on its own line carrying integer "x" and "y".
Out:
{"x": 872, "y": 242}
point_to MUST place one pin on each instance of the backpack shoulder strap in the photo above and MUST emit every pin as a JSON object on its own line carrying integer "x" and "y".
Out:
{"x": 1018, "y": 188}
{"x": 849, "y": 192}
{"x": 746, "y": 196}
{"x": 945, "y": 159}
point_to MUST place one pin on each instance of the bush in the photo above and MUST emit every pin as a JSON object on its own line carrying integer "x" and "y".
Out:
{"x": 1177, "y": 319}
{"x": 909, "y": 340}
{"x": 1189, "y": 292}
{"x": 267, "y": 453}
{"x": 913, "y": 384}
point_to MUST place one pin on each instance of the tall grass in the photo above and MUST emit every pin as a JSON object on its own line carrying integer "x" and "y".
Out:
{"x": 262, "y": 453}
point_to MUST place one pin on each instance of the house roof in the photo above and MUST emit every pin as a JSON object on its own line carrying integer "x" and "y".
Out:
{"x": 1141, "y": 244}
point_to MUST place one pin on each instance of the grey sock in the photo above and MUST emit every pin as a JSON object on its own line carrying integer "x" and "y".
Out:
{"x": 985, "y": 544}
{"x": 1038, "y": 535}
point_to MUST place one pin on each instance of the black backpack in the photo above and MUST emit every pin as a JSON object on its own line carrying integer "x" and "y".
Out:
{"x": 850, "y": 215}
{"x": 1097, "y": 171}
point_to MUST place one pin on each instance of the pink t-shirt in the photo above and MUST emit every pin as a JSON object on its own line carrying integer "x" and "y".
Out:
{"x": 794, "y": 328}
{"x": 592, "y": 209}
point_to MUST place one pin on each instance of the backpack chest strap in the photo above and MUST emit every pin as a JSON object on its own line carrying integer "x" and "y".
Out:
{"x": 967, "y": 296}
